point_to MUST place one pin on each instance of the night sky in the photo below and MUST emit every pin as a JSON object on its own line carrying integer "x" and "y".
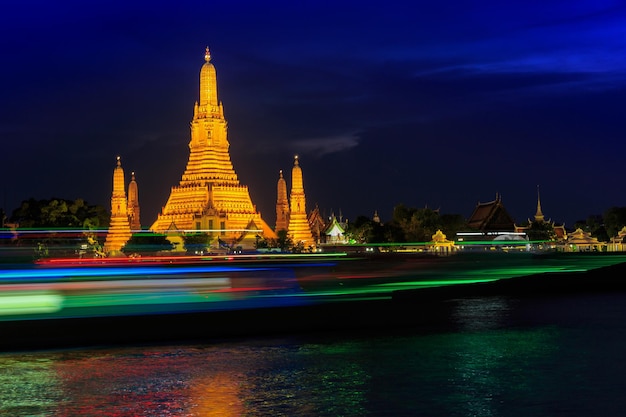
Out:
{"x": 428, "y": 104}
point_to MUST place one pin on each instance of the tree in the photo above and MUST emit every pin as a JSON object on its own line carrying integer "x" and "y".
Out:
{"x": 196, "y": 242}
{"x": 70, "y": 224}
{"x": 261, "y": 243}
{"x": 451, "y": 224}
{"x": 282, "y": 242}
{"x": 407, "y": 225}
{"x": 614, "y": 220}
{"x": 595, "y": 226}
{"x": 417, "y": 225}
{"x": 59, "y": 213}
{"x": 147, "y": 244}
{"x": 359, "y": 230}
{"x": 541, "y": 231}
{"x": 366, "y": 230}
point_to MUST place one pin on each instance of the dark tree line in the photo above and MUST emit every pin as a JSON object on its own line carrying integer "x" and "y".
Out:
{"x": 419, "y": 224}
{"x": 60, "y": 213}
{"x": 604, "y": 226}
{"x": 407, "y": 225}
{"x": 57, "y": 227}
{"x": 147, "y": 244}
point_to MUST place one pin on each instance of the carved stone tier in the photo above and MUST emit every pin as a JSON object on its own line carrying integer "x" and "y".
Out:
{"x": 209, "y": 196}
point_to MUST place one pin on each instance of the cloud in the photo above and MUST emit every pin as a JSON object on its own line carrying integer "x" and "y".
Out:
{"x": 326, "y": 145}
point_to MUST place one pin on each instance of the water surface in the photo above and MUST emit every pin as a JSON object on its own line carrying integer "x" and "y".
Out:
{"x": 493, "y": 356}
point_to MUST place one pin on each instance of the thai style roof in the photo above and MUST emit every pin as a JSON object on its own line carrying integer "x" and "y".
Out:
{"x": 316, "y": 221}
{"x": 249, "y": 236}
{"x": 491, "y": 216}
{"x": 335, "y": 228}
{"x": 439, "y": 238}
{"x": 580, "y": 237}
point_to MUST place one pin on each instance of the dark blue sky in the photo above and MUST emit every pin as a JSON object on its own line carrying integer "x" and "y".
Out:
{"x": 438, "y": 104}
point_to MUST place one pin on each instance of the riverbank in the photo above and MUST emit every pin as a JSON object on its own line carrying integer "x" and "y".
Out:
{"x": 604, "y": 279}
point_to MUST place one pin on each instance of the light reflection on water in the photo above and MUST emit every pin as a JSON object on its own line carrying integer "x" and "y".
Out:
{"x": 496, "y": 357}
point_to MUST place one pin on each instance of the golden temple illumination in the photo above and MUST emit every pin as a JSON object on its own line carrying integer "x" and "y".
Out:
{"x": 119, "y": 227}
{"x": 282, "y": 204}
{"x": 133, "y": 204}
{"x": 299, "y": 228}
{"x": 209, "y": 196}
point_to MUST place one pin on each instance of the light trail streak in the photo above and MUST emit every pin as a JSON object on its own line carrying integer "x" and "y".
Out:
{"x": 30, "y": 302}
{"x": 122, "y": 289}
{"x": 8, "y": 275}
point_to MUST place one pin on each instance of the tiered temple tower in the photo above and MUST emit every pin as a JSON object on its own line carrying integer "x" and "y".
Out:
{"x": 209, "y": 196}
{"x": 133, "y": 204}
{"x": 119, "y": 227}
{"x": 539, "y": 217}
{"x": 299, "y": 229}
{"x": 282, "y": 204}
{"x": 540, "y": 228}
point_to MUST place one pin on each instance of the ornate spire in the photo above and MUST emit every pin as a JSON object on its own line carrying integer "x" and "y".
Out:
{"x": 208, "y": 104}
{"x": 282, "y": 204}
{"x": 296, "y": 178}
{"x": 538, "y": 215}
{"x": 119, "y": 228}
{"x": 299, "y": 228}
{"x": 118, "y": 179}
{"x": 133, "y": 203}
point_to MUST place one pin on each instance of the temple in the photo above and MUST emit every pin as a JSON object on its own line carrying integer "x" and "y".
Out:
{"x": 119, "y": 227}
{"x": 282, "y": 204}
{"x": 299, "y": 229}
{"x": 133, "y": 204}
{"x": 489, "y": 222}
{"x": 581, "y": 241}
{"x": 541, "y": 229}
{"x": 209, "y": 197}
{"x": 335, "y": 232}
{"x": 491, "y": 216}
{"x": 317, "y": 224}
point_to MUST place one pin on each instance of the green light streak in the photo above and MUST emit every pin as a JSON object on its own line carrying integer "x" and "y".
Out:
{"x": 30, "y": 303}
{"x": 121, "y": 299}
{"x": 435, "y": 283}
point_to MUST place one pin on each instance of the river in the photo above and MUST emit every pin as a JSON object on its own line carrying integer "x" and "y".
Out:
{"x": 484, "y": 356}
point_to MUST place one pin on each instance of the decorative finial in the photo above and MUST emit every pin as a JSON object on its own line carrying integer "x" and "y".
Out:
{"x": 280, "y": 173}
{"x": 296, "y": 160}
{"x": 539, "y": 214}
{"x": 119, "y": 161}
{"x": 207, "y": 55}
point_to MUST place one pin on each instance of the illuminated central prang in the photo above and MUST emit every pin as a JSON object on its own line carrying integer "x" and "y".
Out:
{"x": 209, "y": 196}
